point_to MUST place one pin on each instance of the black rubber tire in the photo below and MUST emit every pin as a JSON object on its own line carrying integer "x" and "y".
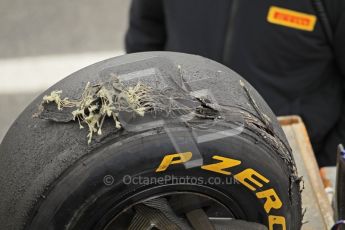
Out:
{"x": 52, "y": 179}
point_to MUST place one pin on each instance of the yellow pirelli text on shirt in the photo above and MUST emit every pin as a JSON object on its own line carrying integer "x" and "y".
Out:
{"x": 291, "y": 18}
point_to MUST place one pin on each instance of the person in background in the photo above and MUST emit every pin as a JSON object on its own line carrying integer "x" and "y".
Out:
{"x": 290, "y": 51}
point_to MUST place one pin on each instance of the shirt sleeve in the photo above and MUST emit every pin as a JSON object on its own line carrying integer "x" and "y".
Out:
{"x": 339, "y": 38}
{"x": 146, "y": 30}
{"x": 337, "y": 135}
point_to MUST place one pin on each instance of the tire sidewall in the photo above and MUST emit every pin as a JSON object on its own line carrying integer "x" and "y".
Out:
{"x": 85, "y": 187}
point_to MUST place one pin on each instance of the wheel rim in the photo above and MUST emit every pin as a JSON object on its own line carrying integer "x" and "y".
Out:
{"x": 126, "y": 219}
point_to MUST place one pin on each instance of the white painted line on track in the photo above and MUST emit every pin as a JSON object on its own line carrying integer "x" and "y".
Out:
{"x": 34, "y": 74}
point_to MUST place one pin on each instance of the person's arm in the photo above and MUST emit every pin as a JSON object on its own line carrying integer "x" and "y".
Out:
{"x": 146, "y": 30}
{"x": 339, "y": 40}
{"x": 337, "y": 136}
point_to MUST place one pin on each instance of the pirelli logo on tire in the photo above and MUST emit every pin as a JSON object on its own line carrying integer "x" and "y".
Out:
{"x": 291, "y": 18}
{"x": 248, "y": 177}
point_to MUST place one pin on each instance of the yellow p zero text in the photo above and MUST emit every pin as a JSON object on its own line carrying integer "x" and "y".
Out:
{"x": 248, "y": 177}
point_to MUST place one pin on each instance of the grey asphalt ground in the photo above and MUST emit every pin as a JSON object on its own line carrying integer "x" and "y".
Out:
{"x": 39, "y": 28}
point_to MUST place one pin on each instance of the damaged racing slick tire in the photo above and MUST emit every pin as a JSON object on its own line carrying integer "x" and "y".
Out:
{"x": 201, "y": 151}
